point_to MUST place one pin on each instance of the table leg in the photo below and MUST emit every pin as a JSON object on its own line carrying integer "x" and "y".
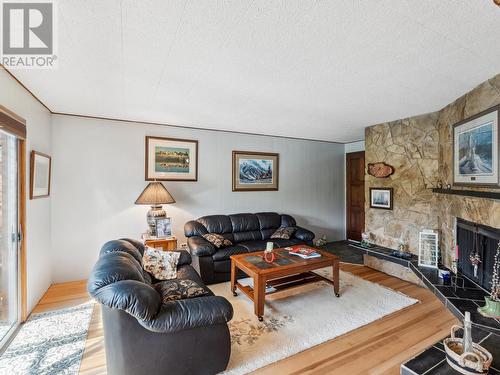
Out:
{"x": 336, "y": 278}
{"x": 259, "y": 294}
{"x": 233, "y": 278}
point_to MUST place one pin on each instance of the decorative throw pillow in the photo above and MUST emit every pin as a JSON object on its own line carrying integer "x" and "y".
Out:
{"x": 172, "y": 290}
{"x": 217, "y": 240}
{"x": 161, "y": 264}
{"x": 284, "y": 233}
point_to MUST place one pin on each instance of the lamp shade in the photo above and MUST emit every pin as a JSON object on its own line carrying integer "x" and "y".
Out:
{"x": 155, "y": 193}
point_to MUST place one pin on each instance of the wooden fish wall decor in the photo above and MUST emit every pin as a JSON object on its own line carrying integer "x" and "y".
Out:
{"x": 380, "y": 169}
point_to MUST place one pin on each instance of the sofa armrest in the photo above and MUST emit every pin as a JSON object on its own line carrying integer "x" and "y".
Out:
{"x": 304, "y": 234}
{"x": 185, "y": 258}
{"x": 200, "y": 246}
{"x": 190, "y": 313}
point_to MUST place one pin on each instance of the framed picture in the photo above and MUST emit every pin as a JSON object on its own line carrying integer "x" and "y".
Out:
{"x": 475, "y": 150}
{"x": 163, "y": 227}
{"x": 40, "y": 165}
{"x": 381, "y": 198}
{"x": 255, "y": 171}
{"x": 170, "y": 159}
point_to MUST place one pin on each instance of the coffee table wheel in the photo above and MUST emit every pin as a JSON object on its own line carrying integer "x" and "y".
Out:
{"x": 337, "y": 295}
{"x": 261, "y": 318}
{"x": 234, "y": 293}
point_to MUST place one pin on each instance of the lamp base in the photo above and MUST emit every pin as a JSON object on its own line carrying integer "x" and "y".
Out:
{"x": 156, "y": 212}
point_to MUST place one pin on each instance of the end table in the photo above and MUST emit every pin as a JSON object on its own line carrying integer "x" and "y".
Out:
{"x": 166, "y": 244}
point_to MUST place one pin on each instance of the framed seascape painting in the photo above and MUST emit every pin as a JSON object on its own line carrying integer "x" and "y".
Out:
{"x": 475, "y": 150}
{"x": 381, "y": 198}
{"x": 40, "y": 165}
{"x": 170, "y": 159}
{"x": 255, "y": 171}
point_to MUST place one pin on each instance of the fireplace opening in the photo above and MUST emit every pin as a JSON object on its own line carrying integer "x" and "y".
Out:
{"x": 484, "y": 239}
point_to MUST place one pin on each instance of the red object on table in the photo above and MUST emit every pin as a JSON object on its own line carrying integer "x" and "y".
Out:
{"x": 266, "y": 257}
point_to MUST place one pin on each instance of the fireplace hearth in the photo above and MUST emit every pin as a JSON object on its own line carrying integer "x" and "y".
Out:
{"x": 471, "y": 237}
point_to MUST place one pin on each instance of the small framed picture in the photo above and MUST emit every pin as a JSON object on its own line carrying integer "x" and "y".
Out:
{"x": 164, "y": 227}
{"x": 381, "y": 198}
{"x": 171, "y": 159}
{"x": 40, "y": 165}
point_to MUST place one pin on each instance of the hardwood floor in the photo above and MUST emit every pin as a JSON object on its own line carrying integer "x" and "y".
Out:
{"x": 378, "y": 348}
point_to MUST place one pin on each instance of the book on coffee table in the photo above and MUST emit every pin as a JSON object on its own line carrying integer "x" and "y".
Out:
{"x": 303, "y": 252}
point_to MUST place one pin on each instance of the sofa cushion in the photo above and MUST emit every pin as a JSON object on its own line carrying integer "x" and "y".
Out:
{"x": 216, "y": 223}
{"x": 268, "y": 220}
{"x": 254, "y": 245}
{"x": 287, "y": 221}
{"x": 247, "y": 236}
{"x": 284, "y": 243}
{"x": 244, "y": 222}
{"x": 161, "y": 264}
{"x": 284, "y": 233}
{"x": 226, "y": 252}
{"x": 217, "y": 240}
{"x": 172, "y": 290}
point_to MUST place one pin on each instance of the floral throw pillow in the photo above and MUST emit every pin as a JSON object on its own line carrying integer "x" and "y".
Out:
{"x": 217, "y": 240}
{"x": 173, "y": 290}
{"x": 284, "y": 233}
{"x": 161, "y": 264}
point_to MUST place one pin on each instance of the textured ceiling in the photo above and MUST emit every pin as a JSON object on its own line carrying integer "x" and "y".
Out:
{"x": 308, "y": 69}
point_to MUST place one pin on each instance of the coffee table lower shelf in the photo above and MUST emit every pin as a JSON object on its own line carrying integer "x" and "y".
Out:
{"x": 257, "y": 294}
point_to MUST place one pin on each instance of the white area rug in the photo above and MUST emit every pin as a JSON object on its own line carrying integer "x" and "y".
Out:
{"x": 303, "y": 317}
{"x": 49, "y": 343}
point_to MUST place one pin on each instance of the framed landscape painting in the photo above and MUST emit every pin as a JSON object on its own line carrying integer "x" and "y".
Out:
{"x": 40, "y": 165}
{"x": 475, "y": 150}
{"x": 381, "y": 198}
{"x": 255, "y": 171}
{"x": 170, "y": 159}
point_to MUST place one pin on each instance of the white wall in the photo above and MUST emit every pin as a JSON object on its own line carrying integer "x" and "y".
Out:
{"x": 98, "y": 172}
{"x": 354, "y": 146}
{"x": 38, "y": 121}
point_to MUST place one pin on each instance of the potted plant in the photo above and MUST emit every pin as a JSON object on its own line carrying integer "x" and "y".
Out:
{"x": 492, "y": 307}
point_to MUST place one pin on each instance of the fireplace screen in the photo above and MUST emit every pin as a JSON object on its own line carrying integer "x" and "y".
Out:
{"x": 481, "y": 240}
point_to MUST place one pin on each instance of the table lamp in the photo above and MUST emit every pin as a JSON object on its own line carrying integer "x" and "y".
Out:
{"x": 155, "y": 195}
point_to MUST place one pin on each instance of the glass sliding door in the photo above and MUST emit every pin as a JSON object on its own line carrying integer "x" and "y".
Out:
{"x": 9, "y": 241}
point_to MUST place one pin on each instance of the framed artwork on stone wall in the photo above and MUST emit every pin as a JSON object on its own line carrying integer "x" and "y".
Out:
{"x": 381, "y": 198}
{"x": 476, "y": 143}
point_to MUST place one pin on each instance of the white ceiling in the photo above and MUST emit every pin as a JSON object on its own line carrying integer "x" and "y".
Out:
{"x": 307, "y": 69}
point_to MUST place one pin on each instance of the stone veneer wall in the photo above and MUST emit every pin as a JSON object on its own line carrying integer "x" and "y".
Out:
{"x": 420, "y": 150}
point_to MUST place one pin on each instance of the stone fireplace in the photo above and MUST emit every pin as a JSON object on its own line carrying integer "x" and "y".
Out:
{"x": 420, "y": 149}
{"x": 471, "y": 237}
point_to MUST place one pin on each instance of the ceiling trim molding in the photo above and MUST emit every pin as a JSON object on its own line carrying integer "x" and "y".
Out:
{"x": 159, "y": 123}
{"x": 191, "y": 127}
{"x": 24, "y": 87}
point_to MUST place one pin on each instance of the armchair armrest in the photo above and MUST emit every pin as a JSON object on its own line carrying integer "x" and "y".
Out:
{"x": 190, "y": 313}
{"x": 304, "y": 234}
{"x": 200, "y": 246}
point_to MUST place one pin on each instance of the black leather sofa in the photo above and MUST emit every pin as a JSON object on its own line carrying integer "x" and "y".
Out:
{"x": 248, "y": 232}
{"x": 142, "y": 335}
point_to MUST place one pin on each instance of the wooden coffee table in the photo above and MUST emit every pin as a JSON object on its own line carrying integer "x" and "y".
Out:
{"x": 286, "y": 271}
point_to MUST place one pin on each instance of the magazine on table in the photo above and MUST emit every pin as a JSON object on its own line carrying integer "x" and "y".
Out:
{"x": 304, "y": 252}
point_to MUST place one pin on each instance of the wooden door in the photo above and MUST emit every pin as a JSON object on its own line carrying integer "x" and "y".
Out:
{"x": 355, "y": 195}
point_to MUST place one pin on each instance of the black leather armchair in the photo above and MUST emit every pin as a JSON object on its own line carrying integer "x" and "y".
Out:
{"x": 142, "y": 335}
{"x": 248, "y": 232}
